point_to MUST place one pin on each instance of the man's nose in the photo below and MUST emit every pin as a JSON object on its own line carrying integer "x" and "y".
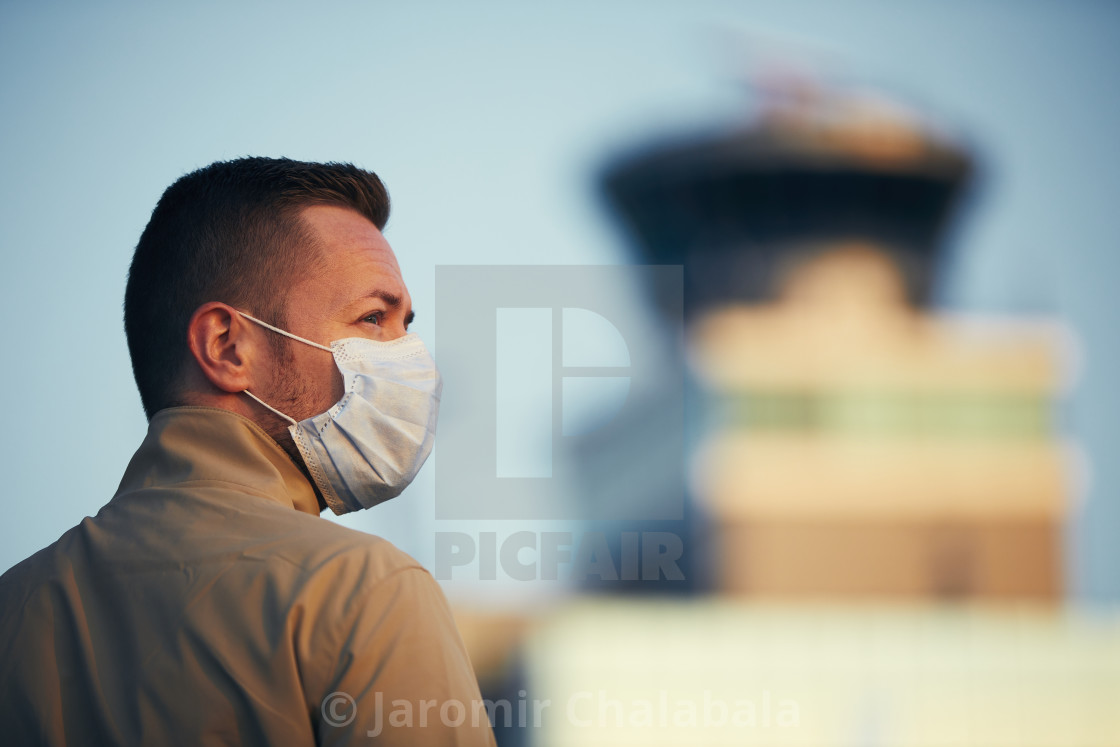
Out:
{"x": 395, "y": 330}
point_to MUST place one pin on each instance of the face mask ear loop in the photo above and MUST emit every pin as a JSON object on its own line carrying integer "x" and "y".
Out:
{"x": 282, "y": 332}
{"x": 270, "y": 407}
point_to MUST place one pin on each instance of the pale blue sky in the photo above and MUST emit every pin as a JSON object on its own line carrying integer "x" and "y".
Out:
{"x": 487, "y": 122}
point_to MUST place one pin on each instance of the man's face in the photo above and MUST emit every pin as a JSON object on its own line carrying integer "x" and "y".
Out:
{"x": 356, "y": 291}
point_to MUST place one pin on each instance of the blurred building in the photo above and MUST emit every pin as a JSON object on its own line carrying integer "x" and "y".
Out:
{"x": 857, "y": 443}
{"x": 857, "y": 458}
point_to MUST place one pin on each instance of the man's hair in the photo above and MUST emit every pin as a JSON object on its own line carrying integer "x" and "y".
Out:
{"x": 228, "y": 232}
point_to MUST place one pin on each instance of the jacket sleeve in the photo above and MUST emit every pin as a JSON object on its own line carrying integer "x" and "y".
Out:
{"x": 402, "y": 675}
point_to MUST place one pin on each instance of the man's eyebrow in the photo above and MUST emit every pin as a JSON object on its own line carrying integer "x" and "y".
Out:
{"x": 394, "y": 302}
{"x": 392, "y": 299}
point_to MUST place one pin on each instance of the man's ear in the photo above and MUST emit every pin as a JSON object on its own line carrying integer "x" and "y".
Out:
{"x": 225, "y": 345}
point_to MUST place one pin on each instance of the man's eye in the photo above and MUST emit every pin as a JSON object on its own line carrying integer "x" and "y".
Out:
{"x": 374, "y": 318}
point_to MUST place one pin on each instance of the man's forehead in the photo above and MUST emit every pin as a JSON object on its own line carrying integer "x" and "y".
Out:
{"x": 344, "y": 233}
{"x": 337, "y": 221}
{"x": 356, "y": 262}
{"x": 363, "y": 277}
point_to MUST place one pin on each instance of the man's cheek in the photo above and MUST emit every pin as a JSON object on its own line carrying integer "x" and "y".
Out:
{"x": 336, "y": 385}
{"x": 325, "y": 385}
{"x": 315, "y": 383}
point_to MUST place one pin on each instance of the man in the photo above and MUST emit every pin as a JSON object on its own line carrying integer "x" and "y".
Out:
{"x": 207, "y": 602}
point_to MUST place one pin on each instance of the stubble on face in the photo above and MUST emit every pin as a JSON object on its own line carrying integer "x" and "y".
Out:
{"x": 292, "y": 393}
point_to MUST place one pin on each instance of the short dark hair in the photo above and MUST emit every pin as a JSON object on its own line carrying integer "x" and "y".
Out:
{"x": 228, "y": 232}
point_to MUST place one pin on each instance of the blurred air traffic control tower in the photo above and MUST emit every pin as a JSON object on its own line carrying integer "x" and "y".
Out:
{"x": 877, "y": 488}
{"x": 856, "y": 442}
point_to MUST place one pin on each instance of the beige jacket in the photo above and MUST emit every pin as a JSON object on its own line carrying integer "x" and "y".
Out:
{"x": 207, "y": 603}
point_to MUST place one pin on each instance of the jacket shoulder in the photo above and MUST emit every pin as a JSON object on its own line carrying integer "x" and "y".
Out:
{"x": 319, "y": 545}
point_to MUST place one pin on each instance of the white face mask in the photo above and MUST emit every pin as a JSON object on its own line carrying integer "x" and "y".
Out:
{"x": 368, "y": 447}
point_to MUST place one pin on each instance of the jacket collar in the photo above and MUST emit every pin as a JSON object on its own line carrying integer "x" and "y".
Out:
{"x": 189, "y": 444}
